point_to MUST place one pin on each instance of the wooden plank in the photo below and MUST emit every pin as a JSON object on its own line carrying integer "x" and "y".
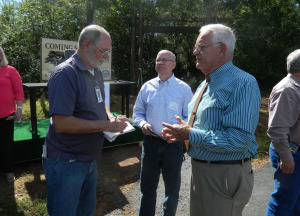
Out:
{"x": 171, "y": 29}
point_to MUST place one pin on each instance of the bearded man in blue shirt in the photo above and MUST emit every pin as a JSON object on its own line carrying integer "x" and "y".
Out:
{"x": 79, "y": 116}
{"x": 221, "y": 138}
{"x": 159, "y": 100}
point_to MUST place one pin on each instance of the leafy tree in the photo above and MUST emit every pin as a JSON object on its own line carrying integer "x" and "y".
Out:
{"x": 266, "y": 30}
{"x": 24, "y": 24}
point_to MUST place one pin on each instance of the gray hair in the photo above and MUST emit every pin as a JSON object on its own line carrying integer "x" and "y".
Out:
{"x": 173, "y": 56}
{"x": 221, "y": 33}
{"x": 92, "y": 33}
{"x": 293, "y": 62}
{"x": 3, "y": 60}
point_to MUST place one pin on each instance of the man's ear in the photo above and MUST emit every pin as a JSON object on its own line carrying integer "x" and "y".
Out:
{"x": 174, "y": 65}
{"x": 87, "y": 44}
{"x": 223, "y": 48}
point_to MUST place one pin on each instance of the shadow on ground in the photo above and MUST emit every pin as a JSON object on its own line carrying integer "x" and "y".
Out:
{"x": 28, "y": 182}
{"x": 118, "y": 171}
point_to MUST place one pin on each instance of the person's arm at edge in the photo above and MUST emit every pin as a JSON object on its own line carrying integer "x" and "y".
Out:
{"x": 18, "y": 92}
{"x": 108, "y": 113}
{"x": 139, "y": 111}
{"x": 187, "y": 100}
{"x": 18, "y": 113}
{"x": 281, "y": 118}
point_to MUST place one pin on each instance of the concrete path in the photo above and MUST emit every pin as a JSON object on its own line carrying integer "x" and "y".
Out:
{"x": 263, "y": 187}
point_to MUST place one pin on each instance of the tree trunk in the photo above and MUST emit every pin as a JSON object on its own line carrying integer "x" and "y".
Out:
{"x": 90, "y": 11}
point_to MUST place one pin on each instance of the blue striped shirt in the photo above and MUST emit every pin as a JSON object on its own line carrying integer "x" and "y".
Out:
{"x": 159, "y": 102}
{"x": 227, "y": 116}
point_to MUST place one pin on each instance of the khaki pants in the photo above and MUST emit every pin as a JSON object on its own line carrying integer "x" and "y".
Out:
{"x": 220, "y": 189}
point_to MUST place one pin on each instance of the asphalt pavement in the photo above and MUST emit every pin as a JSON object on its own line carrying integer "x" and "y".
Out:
{"x": 263, "y": 187}
{"x": 119, "y": 185}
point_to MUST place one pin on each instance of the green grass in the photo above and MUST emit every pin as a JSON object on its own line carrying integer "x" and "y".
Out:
{"x": 263, "y": 144}
{"x": 39, "y": 111}
{"x": 20, "y": 204}
{"x": 29, "y": 207}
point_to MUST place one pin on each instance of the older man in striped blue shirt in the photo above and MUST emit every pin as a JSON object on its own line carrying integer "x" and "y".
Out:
{"x": 159, "y": 100}
{"x": 222, "y": 139}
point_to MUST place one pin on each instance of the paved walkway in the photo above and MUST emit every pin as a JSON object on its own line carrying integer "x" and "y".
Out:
{"x": 119, "y": 185}
{"x": 263, "y": 187}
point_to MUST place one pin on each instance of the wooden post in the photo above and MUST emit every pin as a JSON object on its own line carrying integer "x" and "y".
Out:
{"x": 90, "y": 9}
{"x": 132, "y": 58}
{"x": 141, "y": 34}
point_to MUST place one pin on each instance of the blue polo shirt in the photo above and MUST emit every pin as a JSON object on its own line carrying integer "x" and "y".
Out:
{"x": 71, "y": 90}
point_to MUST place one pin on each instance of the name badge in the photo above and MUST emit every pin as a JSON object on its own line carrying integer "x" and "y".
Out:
{"x": 98, "y": 94}
{"x": 173, "y": 106}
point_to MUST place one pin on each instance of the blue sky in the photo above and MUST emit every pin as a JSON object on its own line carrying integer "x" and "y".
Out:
{"x": 5, "y": 1}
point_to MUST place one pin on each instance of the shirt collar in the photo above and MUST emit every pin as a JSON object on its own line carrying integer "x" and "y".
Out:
{"x": 168, "y": 81}
{"x": 79, "y": 62}
{"x": 221, "y": 70}
{"x": 294, "y": 79}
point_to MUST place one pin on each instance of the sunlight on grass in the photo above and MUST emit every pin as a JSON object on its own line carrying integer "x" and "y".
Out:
{"x": 30, "y": 207}
{"x": 263, "y": 144}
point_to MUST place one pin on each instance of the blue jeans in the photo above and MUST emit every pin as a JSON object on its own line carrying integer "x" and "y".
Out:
{"x": 71, "y": 187}
{"x": 160, "y": 157}
{"x": 285, "y": 200}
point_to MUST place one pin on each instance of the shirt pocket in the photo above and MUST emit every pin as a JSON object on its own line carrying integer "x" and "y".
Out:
{"x": 174, "y": 107}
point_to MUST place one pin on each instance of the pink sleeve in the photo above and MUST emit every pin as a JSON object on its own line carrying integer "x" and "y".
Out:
{"x": 17, "y": 85}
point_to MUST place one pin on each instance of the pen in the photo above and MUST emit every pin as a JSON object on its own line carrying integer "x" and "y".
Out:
{"x": 115, "y": 115}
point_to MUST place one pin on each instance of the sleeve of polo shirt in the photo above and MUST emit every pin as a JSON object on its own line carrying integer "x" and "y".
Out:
{"x": 139, "y": 109}
{"x": 283, "y": 114}
{"x": 238, "y": 122}
{"x": 62, "y": 93}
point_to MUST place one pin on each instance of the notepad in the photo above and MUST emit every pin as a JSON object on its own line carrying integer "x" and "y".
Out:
{"x": 112, "y": 136}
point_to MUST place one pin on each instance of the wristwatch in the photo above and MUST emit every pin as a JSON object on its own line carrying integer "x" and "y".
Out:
{"x": 19, "y": 107}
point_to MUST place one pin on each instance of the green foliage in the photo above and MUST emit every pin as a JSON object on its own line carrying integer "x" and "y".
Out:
{"x": 24, "y": 24}
{"x": 266, "y": 30}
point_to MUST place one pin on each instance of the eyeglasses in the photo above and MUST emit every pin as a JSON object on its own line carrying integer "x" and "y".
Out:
{"x": 200, "y": 47}
{"x": 103, "y": 52}
{"x": 164, "y": 60}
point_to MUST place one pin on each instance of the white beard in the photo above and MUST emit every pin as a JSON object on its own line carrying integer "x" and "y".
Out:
{"x": 92, "y": 61}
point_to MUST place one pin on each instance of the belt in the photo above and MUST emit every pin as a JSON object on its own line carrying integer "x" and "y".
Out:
{"x": 157, "y": 139}
{"x": 223, "y": 162}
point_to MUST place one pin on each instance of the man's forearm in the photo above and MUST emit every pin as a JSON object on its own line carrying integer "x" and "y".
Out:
{"x": 71, "y": 124}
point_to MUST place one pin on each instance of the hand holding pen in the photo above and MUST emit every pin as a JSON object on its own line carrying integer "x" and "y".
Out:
{"x": 120, "y": 118}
